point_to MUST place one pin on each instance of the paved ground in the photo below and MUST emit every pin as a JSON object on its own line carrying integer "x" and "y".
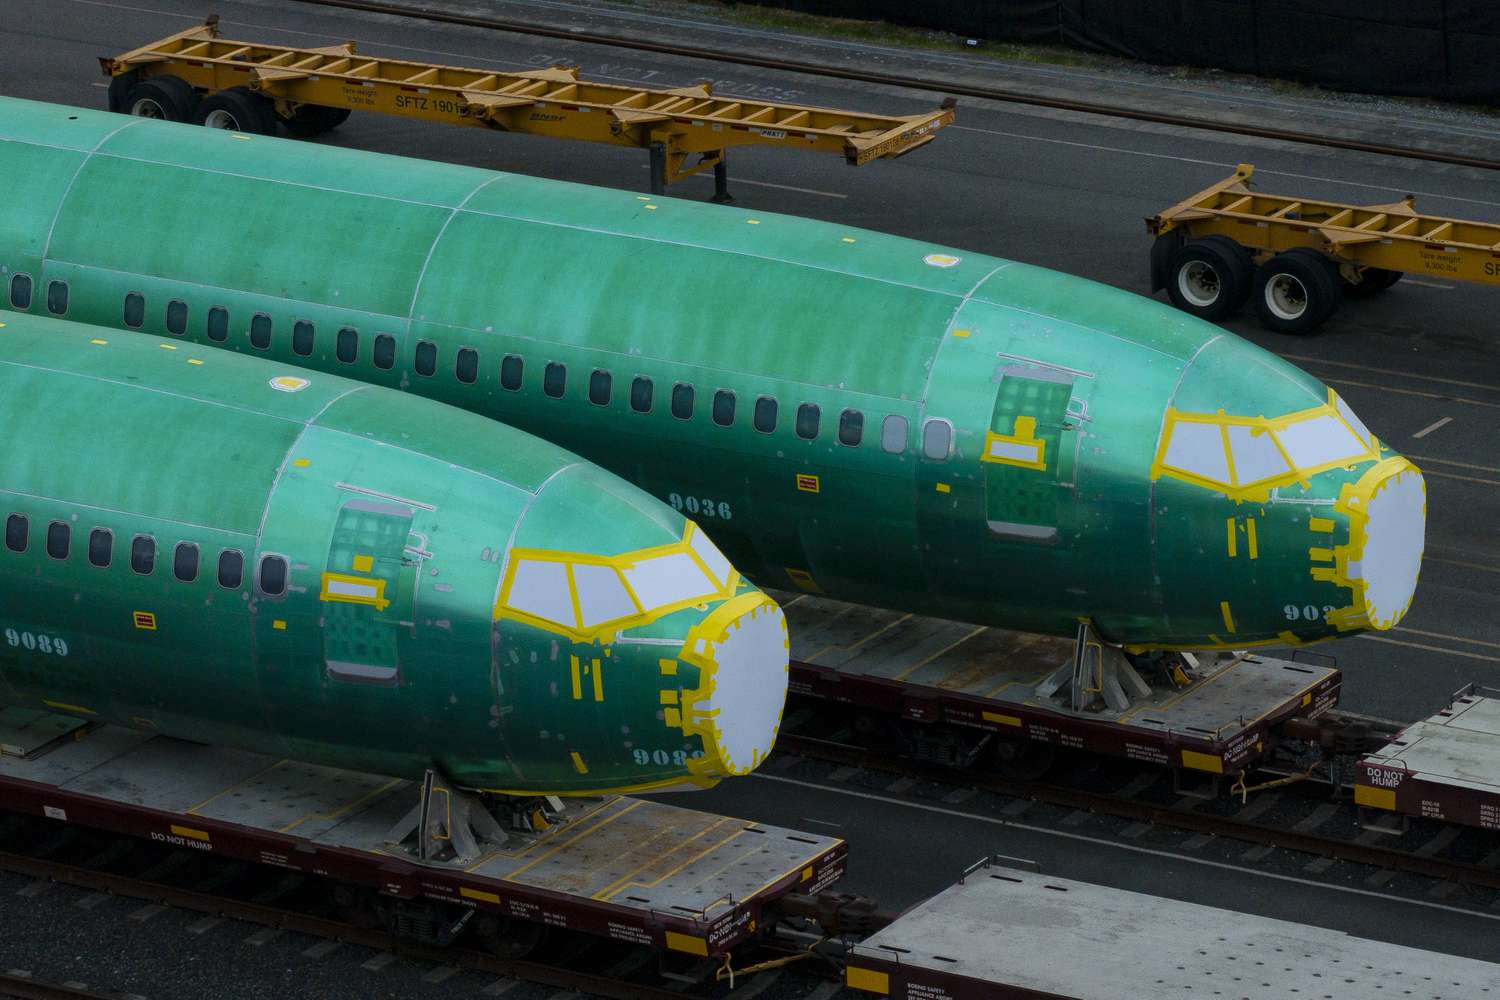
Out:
{"x": 1061, "y": 190}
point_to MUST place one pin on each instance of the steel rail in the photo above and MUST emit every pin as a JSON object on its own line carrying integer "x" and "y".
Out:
{"x": 273, "y": 916}
{"x": 918, "y": 82}
{"x": 1142, "y": 812}
{"x": 26, "y": 988}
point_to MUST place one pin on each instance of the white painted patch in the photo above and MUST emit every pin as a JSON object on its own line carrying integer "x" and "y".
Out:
{"x": 750, "y": 687}
{"x": 1395, "y": 536}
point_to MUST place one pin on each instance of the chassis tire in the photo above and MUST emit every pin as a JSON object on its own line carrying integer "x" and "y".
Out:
{"x": 313, "y": 119}
{"x": 237, "y": 110}
{"x": 1209, "y": 278}
{"x": 168, "y": 98}
{"x": 1373, "y": 281}
{"x": 1295, "y": 291}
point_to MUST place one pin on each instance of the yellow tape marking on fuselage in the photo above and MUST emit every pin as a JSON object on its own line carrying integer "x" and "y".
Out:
{"x": 1252, "y": 549}
{"x": 598, "y": 672}
{"x": 1229, "y": 523}
{"x": 577, "y": 679}
{"x": 578, "y": 764}
{"x": 1228, "y": 618}
{"x": 362, "y": 563}
{"x": 1021, "y": 448}
{"x": 351, "y": 589}
{"x": 1320, "y": 524}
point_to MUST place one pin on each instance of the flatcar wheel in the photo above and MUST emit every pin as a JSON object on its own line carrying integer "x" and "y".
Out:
{"x": 313, "y": 119}
{"x": 1209, "y": 278}
{"x": 1373, "y": 281}
{"x": 237, "y": 110}
{"x": 509, "y": 938}
{"x": 1295, "y": 291}
{"x": 169, "y": 98}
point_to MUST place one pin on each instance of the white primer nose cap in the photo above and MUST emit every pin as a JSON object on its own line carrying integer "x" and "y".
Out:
{"x": 1395, "y": 534}
{"x": 750, "y": 687}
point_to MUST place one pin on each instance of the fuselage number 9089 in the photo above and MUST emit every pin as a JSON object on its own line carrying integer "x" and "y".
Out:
{"x": 37, "y": 642}
{"x": 701, "y": 505}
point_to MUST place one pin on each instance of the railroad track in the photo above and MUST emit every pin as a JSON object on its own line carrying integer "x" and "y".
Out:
{"x": 1302, "y": 816}
{"x": 281, "y": 914}
{"x": 934, "y": 83}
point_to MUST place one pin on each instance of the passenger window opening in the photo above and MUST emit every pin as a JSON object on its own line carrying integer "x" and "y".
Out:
{"x": 554, "y": 379}
{"x": 143, "y": 554}
{"x": 851, "y": 428}
{"x": 272, "y": 575}
{"x": 764, "y": 417}
{"x": 511, "y": 370}
{"x": 808, "y": 419}
{"x": 217, "y": 326}
{"x": 20, "y": 291}
{"x": 937, "y": 439}
{"x": 59, "y": 537}
{"x": 893, "y": 431}
{"x": 17, "y": 532}
{"x": 135, "y": 310}
{"x": 231, "y": 568}
{"x": 466, "y": 366}
{"x": 101, "y": 547}
{"x": 185, "y": 562}
{"x": 723, "y": 408}
{"x": 682, "y": 401}
{"x": 177, "y": 317}
{"x": 601, "y": 383}
{"x": 346, "y": 345}
{"x": 57, "y": 297}
{"x": 384, "y": 354}
{"x": 641, "y": 392}
{"x": 260, "y": 331}
{"x": 302, "y": 338}
{"x": 426, "y": 358}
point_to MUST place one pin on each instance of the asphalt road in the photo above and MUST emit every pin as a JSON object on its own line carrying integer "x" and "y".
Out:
{"x": 1420, "y": 364}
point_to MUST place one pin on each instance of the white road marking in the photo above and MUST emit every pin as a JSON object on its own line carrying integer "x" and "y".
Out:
{"x": 1427, "y": 284}
{"x": 1414, "y": 392}
{"x": 1117, "y": 845}
{"x": 1449, "y": 461}
{"x": 822, "y": 822}
{"x": 1434, "y": 649}
{"x": 1432, "y": 427}
{"x": 765, "y": 184}
{"x": 1387, "y": 371}
{"x": 1445, "y": 635}
{"x": 1465, "y": 565}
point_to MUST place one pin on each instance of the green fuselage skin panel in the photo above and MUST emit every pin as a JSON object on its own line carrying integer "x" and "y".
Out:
{"x": 988, "y": 436}
{"x": 396, "y": 522}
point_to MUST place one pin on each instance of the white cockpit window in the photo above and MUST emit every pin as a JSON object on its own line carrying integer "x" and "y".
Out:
{"x": 1319, "y": 441}
{"x": 1256, "y": 456}
{"x": 717, "y": 565}
{"x": 1355, "y": 424}
{"x": 601, "y": 595}
{"x": 1198, "y": 449}
{"x": 668, "y": 579}
{"x": 540, "y": 589}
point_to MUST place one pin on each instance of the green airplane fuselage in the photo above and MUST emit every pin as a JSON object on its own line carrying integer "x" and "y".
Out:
{"x": 229, "y": 550}
{"x": 883, "y": 420}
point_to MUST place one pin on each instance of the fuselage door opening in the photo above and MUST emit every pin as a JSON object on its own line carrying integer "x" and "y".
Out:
{"x": 1026, "y": 470}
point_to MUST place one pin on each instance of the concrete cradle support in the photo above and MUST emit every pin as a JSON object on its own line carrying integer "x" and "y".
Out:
{"x": 1097, "y": 672}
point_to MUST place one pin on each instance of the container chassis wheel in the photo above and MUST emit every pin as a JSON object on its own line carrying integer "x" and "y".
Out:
{"x": 167, "y": 98}
{"x": 1373, "y": 281}
{"x": 1295, "y": 291}
{"x": 237, "y": 109}
{"x": 312, "y": 120}
{"x": 1210, "y": 277}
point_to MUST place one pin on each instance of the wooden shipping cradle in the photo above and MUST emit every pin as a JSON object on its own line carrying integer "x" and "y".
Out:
{"x": 313, "y": 89}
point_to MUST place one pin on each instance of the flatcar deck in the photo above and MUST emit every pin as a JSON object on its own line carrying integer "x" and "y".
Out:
{"x": 630, "y": 868}
{"x": 929, "y": 669}
{"x": 1007, "y": 933}
{"x": 1445, "y": 767}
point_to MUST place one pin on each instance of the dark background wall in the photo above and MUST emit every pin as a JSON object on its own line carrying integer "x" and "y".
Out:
{"x": 1447, "y": 49}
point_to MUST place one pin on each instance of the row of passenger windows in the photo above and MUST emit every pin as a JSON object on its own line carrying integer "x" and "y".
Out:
{"x": 937, "y": 435}
{"x": 185, "y": 557}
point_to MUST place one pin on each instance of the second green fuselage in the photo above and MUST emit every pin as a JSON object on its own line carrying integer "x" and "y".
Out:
{"x": 882, "y": 420}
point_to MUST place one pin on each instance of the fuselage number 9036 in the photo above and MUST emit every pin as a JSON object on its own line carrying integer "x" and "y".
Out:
{"x": 701, "y": 505}
{"x": 37, "y": 642}
{"x": 1306, "y": 612}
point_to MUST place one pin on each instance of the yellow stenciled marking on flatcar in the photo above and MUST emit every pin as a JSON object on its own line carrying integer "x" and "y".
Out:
{"x": 1021, "y": 448}
{"x": 350, "y": 589}
{"x": 689, "y": 943}
{"x": 867, "y": 980}
{"x": 1202, "y": 761}
{"x": 1004, "y": 720}
{"x": 63, "y": 706}
{"x": 1228, "y": 616}
{"x": 478, "y": 894}
{"x": 192, "y": 833}
{"x": 144, "y": 620}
